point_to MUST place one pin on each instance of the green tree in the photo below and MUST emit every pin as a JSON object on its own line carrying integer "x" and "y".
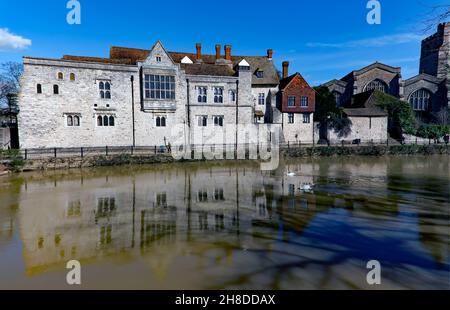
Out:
{"x": 329, "y": 115}
{"x": 400, "y": 113}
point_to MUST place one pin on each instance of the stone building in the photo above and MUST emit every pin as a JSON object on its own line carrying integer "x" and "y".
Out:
{"x": 427, "y": 92}
{"x": 147, "y": 97}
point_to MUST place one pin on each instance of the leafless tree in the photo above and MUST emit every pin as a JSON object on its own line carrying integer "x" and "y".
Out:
{"x": 436, "y": 14}
{"x": 10, "y": 73}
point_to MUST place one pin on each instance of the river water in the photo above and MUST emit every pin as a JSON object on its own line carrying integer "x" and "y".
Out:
{"x": 229, "y": 225}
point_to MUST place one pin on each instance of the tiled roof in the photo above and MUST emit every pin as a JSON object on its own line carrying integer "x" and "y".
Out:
{"x": 208, "y": 69}
{"x": 286, "y": 81}
{"x": 256, "y": 62}
{"x": 363, "y": 104}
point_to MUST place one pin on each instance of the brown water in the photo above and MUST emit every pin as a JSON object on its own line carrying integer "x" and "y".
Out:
{"x": 207, "y": 226}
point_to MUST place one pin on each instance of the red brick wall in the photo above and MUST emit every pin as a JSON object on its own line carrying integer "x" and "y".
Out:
{"x": 298, "y": 88}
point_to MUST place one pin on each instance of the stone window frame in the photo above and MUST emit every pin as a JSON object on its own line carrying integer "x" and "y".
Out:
{"x": 232, "y": 94}
{"x": 104, "y": 87}
{"x": 306, "y": 118}
{"x": 55, "y": 89}
{"x": 70, "y": 119}
{"x": 202, "y": 120}
{"x": 218, "y": 120}
{"x": 153, "y": 89}
{"x": 72, "y": 77}
{"x": 291, "y": 118}
{"x": 218, "y": 94}
{"x": 158, "y": 58}
{"x": 261, "y": 99}
{"x": 161, "y": 121}
{"x": 289, "y": 102}
{"x": 337, "y": 97}
{"x": 108, "y": 119}
{"x": 202, "y": 94}
{"x": 420, "y": 100}
{"x": 60, "y": 76}
{"x": 377, "y": 84}
{"x": 304, "y": 101}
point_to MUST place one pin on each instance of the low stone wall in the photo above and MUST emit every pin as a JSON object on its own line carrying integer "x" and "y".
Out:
{"x": 95, "y": 161}
{"x": 368, "y": 150}
{"x": 328, "y": 151}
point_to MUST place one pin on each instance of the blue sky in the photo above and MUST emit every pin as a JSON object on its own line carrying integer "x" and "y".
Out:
{"x": 322, "y": 39}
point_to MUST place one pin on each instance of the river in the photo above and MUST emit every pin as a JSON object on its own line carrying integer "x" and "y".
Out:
{"x": 228, "y": 225}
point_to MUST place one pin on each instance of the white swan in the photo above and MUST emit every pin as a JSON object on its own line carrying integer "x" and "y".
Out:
{"x": 306, "y": 187}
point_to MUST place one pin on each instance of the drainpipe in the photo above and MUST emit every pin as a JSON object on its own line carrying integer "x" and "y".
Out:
{"x": 188, "y": 112}
{"x": 237, "y": 115}
{"x": 132, "y": 107}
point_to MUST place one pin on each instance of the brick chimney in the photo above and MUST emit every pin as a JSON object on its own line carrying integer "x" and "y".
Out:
{"x": 269, "y": 54}
{"x": 198, "y": 46}
{"x": 285, "y": 69}
{"x": 217, "y": 51}
{"x": 228, "y": 52}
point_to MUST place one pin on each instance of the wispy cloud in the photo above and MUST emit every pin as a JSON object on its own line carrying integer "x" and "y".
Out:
{"x": 12, "y": 42}
{"x": 395, "y": 39}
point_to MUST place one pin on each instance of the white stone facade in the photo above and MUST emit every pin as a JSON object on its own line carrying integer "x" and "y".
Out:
{"x": 90, "y": 103}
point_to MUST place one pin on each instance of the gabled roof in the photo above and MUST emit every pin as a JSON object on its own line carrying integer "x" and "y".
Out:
{"x": 364, "y": 104}
{"x": 286, "y": 81}
{"x": 424, "y": 76}
{"x": 375, "y": 65}
{"x": 338, "y": 82}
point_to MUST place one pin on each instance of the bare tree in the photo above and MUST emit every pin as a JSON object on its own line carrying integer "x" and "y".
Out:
{"x": 10, "y": 73}
{"x": 435, "y": 15}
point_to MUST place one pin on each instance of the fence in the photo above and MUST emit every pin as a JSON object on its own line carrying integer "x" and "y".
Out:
{"x": 81, "y": 152}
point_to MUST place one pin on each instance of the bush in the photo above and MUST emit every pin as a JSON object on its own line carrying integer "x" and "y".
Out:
{"x": 434, "y": 132}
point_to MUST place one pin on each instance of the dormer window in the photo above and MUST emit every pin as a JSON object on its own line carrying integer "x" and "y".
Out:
{"x": 158, "y": 58}
{"x": 260, "y": 74}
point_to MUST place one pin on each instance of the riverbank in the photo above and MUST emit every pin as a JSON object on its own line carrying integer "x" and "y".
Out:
{"x": 78, "y": 162}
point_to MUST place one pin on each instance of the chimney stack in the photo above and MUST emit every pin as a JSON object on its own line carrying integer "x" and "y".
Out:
{"x": 228, "y": 52}
{"x": 269, "y": 54}
{"x": 198, "y": 46}
{"x": 285, "y": 69}
{"x": 217, "y": 51}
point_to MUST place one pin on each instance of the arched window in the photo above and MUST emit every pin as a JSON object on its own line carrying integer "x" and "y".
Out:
{"x": 101, "y": 85}
{"x": 163, "y": 122}
{"x": 76, "y": 120}
{"x": 337, "y": 97}
{"x": 99, "y": 121}
{"x": 107, "y": 86}
{"x": 39, "y": 88}
{"x": 232, "y": 96}
{"x": 158, "y": 121}
{"x": 105, "y": 120}
{"x": 107, "y": 94}
{"x": 60, "y": 76}
{"x": 102, "y": 94}
{"x": 55, "y": 89}
{"x": 69, "y": 120}
{"x": 72, "y": 76}
{"x": 377, "y": 85}
{"x": 420, "y": 100}
{"x": 111, "y": 121}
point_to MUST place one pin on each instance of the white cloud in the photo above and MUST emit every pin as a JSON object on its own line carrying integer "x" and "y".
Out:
{"x": 11, "y": 42}
{"x": 395, "y": 39}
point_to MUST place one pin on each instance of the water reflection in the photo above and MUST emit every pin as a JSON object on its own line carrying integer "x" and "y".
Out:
{"x": 230, "y": 225}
